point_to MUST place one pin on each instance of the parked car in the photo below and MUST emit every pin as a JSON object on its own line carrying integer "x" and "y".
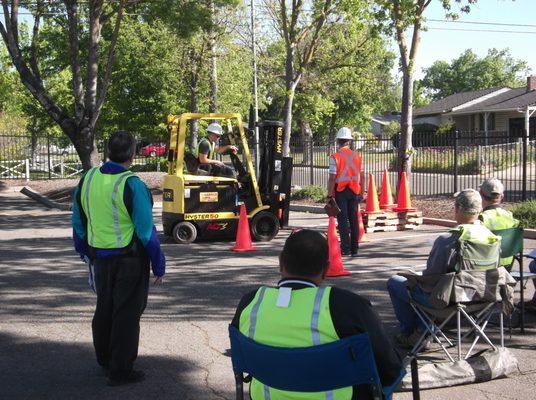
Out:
{"x": 153, "y": 150}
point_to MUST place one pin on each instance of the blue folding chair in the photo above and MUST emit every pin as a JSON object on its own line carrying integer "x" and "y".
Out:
{"x": 346, "y": 362}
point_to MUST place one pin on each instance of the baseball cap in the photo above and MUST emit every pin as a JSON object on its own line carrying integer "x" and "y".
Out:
{"x": 492, "y": 187}
{"x": 468, "y": 201}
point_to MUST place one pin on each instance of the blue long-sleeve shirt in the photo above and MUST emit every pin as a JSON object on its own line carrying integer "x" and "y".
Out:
{"x": 139, "y": 203}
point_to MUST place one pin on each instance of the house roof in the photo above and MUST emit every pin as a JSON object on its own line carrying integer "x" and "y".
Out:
{"x": 448, "y": 103}
{"x": 385, "y": 119}
{"x": 512, "y": 100}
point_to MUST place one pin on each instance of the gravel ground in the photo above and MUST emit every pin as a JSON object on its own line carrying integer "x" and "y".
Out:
{"x": 61, "y": 190}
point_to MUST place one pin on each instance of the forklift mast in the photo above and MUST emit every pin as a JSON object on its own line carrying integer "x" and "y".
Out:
{"x": 275, "y": 171}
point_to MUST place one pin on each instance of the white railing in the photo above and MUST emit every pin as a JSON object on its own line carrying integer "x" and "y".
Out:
{"x": 12, "y": 169}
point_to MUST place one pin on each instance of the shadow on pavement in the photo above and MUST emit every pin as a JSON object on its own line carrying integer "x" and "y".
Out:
{"x": 34, "y": 369}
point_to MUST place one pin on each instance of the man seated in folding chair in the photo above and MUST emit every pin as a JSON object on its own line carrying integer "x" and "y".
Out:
{"x": 299, "y": 313}
{"x": 493, "y": 216}
{"x": 443, "y": 259}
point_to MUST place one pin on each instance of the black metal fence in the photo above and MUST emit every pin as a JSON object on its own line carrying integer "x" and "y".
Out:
{"x": 30, "y": 157}
{"x": 442, "y": 163}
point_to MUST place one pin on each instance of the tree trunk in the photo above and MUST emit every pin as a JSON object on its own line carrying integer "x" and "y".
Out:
{"x": 213, "y": 100}
{"x": 83, "y": 139}
{"x": 194, "y": 123}
{"x": 332, "y": 134}
{"x": 406, "y": 124}
{"x": 306, "y": 139}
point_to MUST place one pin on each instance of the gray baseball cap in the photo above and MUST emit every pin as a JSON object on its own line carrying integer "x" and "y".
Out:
{"x": 492, "y": 187}
{"x": 468, "y": 201}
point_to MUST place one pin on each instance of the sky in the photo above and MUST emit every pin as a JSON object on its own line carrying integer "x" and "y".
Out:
{"x": 447, "y": 45}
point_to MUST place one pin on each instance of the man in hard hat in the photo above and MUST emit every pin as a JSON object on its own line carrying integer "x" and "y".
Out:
{"x": 113, "y": 228}
{"x": 344, "y": 184}
{"x": 206, "y": 148}
{"x": 301, "y": 312}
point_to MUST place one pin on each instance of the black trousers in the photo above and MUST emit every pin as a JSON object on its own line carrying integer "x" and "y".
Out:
{"x": 348, "y": 202}
{"x": 122, "y": 285}
{"x": 216, "y": 170}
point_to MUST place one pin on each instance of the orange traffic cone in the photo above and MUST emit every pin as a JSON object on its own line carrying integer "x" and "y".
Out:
{"x": 386, "y": 197}
{"x": 335, "y": 260}
{"x": 372, "y": 205}
{"x": 243, "y": 236}
{"x": 404, "y": 200}
{"x": 361, "y": 232}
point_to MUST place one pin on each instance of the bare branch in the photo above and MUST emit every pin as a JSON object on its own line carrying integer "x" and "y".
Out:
{"x": 95, "y": 11}
{"x": 74, "y": 49}
{"x": 109, "y": 63}
{"x": 35, "y": 41}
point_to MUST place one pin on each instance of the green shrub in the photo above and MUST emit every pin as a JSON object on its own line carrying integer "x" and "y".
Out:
{"x": 313, "y": 192}
{"x": 525, "y": 212}
{"x": 150, "y": 165}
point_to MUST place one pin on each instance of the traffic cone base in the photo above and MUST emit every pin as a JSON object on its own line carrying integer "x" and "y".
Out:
{"x": 386, "y": 197}
{"x": 404, "y": 199}
{"x": 243, "y": 235}
{"x": 372, "y": 205}
{"x": 336, "y": 267}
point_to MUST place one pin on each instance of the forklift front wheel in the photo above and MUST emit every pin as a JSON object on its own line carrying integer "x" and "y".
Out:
{"x": 264, "y": 226}
{"x": 184, "y": 232}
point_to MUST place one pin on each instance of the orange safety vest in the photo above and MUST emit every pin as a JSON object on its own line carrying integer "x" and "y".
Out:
{"x": 348, "y": 170}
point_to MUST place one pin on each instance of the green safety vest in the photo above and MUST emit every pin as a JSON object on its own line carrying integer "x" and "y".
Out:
{"x": 306, "y": 321}
{"x": 496, "y": 219}
{"x": 478, "y": 247}
{"x": 211, "y": 146}
{"x": 109, "y": 225}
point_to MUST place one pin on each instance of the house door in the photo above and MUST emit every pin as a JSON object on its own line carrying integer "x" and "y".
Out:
{"x": 517, "y": 127}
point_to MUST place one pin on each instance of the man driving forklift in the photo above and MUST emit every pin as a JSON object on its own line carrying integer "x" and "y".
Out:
{"x": 205, "y": 152}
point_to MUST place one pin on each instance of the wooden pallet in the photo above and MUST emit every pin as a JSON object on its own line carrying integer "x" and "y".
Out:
{"x": 391, "y": 228}
{"x": 392, "y": 221}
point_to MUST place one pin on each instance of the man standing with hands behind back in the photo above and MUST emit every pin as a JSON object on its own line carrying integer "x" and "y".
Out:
{"x": 113, "y": 227}
{"x": 344, "y": 185}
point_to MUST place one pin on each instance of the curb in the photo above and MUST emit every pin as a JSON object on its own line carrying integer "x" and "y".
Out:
{"x": 45, "y": 200}
{"x": 527, "y": 234}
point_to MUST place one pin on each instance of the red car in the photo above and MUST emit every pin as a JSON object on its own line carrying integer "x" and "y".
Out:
{"x": 154, "y": 150}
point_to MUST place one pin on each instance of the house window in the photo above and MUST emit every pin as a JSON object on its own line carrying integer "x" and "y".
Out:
{"x": 491, "y": 121}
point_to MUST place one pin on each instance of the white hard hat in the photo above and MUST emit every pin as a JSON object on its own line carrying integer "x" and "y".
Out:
{"x": 215, "y": 128}
{"x": 345, "y": 134}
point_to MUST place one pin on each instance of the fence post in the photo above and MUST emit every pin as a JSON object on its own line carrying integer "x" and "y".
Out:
{"x": 524, "y": 149}
{"x": 158, "y": 164}
{"x": 48, "y": 156}
{"x": 62, "y": 172}
{"x": 311, "y": 163}
{"x": 27, "y": 169}
{"x": 456, "y": 137}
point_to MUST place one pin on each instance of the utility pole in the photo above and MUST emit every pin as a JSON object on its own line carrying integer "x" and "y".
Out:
{"x": 255, "y": 91}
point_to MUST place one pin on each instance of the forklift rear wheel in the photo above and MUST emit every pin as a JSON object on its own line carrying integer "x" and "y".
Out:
{"x": 264, "y": 226}
{"x": 184, "y": 232}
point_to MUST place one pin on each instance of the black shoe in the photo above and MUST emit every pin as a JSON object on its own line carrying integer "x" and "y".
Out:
{"x": 133, "y": 377}
{"x": 345, "y": 253}
{"x": 353, "y": 255}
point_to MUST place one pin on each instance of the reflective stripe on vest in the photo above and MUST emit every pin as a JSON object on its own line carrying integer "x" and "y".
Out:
{"x": 108, "y": 220}
{"x": 211, "y": 145}
{"x": 348, "y": 170}
{"x": 496, "y": 219}
{"x": 306, "y": 321}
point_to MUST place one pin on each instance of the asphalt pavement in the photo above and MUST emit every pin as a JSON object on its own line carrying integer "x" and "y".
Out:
{"x": 46, "y": 309}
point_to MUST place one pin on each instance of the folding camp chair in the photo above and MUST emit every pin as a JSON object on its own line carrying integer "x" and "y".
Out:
{"x": 512, "y": 246}
{"x": 471, "y": 293}
{"x": 343, "y": 363}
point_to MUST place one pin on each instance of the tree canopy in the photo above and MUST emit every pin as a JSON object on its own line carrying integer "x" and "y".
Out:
{"x": 470, "y": 72}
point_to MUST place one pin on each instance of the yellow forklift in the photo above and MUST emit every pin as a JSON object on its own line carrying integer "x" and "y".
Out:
{"x": 200, "y": 206}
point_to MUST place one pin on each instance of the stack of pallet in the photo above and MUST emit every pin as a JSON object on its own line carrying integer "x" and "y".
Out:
{"x": 384, "y": 221}
{"x": 385, "y": 216}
